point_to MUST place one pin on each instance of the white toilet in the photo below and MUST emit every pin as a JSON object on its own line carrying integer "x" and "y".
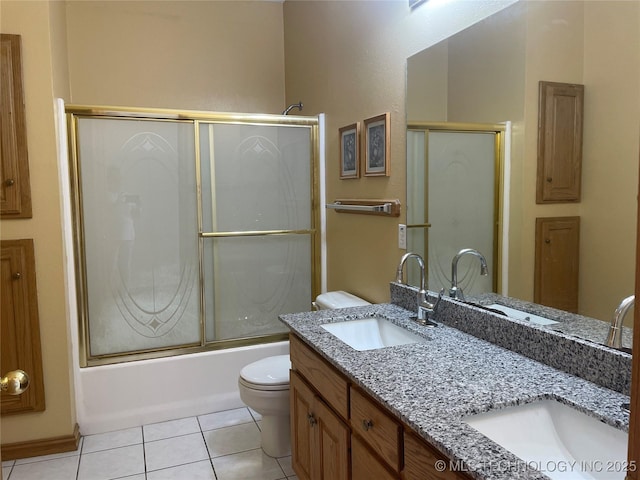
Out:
{"x": 264, "y": 384}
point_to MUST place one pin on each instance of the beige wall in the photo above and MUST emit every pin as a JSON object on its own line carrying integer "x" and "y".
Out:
{"x": 36, "y": 22}
{"x": 348, "y": 59}
{"x": 204, "y": 55}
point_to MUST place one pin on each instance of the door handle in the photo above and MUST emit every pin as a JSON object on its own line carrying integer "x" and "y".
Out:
{"x": 15, "y": 382}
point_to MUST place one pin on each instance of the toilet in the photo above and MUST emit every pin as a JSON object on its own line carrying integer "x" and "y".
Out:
{"x": 264, "y": 384}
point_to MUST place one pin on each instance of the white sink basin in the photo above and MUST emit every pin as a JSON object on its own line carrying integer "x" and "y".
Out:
{"x": 371, "y": 333}
{"x": 520, "y": 315}
{"x": 559, "y": 440}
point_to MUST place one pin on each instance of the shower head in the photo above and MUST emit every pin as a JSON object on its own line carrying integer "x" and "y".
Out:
{"x": 293, "y": 105}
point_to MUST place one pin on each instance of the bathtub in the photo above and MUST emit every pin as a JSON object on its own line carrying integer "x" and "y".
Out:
{"x": 114, "y": 397}
{"x": 118, "y": 396}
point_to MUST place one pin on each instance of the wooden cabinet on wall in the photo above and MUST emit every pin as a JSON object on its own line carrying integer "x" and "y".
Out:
{"x": 15, "y": 191}
{"x": 19, "y": 325}
{"x": 340, "y": 432}
{"x": 560, "y": 119}
{"x": 556, "y": 275}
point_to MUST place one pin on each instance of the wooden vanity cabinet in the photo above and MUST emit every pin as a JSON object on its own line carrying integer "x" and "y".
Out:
{"x": 338, "y": 432}
{"x": 377, "y": 429}
{"x": 319, "y": 439}
{"x": 420, "y": 462}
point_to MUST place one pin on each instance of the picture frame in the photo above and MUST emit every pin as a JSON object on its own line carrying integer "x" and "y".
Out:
{"x": 350, "y": 151}
{"x": 376, "y": 146}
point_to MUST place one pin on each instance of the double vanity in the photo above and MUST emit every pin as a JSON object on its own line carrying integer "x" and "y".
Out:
{"x": 376, "y": 395}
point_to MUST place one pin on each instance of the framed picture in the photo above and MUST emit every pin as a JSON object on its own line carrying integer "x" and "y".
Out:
{"x": 376, "y": 144}
{"x": 350, "y": 151}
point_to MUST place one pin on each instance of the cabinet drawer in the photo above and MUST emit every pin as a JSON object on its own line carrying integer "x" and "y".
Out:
{"x": 420, "y": 462}
{"x": 379, "y": 430}
{"x": 325, "y": 379}
{"x": 364, "y": 466}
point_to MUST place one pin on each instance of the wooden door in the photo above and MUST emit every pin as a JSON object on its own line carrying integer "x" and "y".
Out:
{"x": 19, "y": 329}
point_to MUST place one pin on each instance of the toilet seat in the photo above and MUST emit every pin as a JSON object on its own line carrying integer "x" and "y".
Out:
{"x": 271, "y": 373}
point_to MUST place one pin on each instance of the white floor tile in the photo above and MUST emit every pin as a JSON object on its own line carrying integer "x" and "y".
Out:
{"x": 172, "y": 428}
{"x": 175, "y": 451}
{"x": 192, "y": 471}
{"x": 110, "y": 464}
{"x": 255, "y": 414}
{"x": 64, "y": 468}
{"x": 8, "y": 463}
{"x": 252, "y": 465}
{"x": 6, "y": 471}
{"x": 105, "y": 441}
{"x": 227, "y": 418}
{"x": 285, "y": 463}
{"x": 228, "y": 440}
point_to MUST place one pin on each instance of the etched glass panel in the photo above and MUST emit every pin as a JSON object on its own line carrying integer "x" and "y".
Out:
{"x": 249, "y": 281}
{"x": 255, "y": 177}
{"x": 140, "y": 234}
{"x": 461, "y": 198}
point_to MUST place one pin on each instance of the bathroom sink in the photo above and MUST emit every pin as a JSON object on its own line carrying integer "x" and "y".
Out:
{"x": 557, "y": 439}
{"x": 520, "y": 315}
{"x": 371, "y": 333}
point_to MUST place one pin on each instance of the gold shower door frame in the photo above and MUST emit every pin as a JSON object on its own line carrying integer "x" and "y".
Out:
{"x": 195, "y": 118}
{"x": 456, "y": 127}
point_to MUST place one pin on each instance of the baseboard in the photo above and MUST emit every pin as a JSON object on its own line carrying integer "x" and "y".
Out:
{"x": 46, "y": 446}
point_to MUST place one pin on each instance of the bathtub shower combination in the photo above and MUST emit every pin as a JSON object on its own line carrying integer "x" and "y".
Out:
{"x": 193, "y": 232}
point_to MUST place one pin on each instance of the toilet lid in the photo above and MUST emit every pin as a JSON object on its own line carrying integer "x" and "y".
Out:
{"x": 268, "y": 371}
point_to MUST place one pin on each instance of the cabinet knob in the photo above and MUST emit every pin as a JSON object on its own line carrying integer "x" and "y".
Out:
{"x": 549, "y": 179}
{"x": 547, "y": 240}
{"x": 17, "y": 276}
{"x": 9, "y": 181}
{"x": 367, "y": 425}
{"x": 312, "y": 419}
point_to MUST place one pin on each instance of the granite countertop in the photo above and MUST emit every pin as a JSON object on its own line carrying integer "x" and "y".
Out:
{"x": 587, "y": 328}
{"x": 432, "y": 385}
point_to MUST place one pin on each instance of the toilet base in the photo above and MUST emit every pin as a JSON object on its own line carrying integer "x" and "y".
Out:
{"x": 276, "y": 435}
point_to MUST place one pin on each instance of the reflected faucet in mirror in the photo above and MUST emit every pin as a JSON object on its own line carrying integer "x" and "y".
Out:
{"x": 614, "y": 339}
{"x": 424, "y": 307}
{"x": 455, "y": 291}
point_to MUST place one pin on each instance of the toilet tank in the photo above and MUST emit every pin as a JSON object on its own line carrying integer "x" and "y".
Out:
{"x": 338, "y": 299}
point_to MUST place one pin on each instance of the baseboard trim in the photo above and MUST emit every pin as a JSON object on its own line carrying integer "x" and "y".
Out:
{"x": 45, "y": 446}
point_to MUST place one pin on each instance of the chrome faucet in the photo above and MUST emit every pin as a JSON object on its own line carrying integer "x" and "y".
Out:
{"x": 424, "y": 307}
{"x": 455, "y": 291}
{"x": 614, "y": 339}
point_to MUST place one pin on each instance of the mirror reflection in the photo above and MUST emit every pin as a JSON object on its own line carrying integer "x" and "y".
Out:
{"x": 489, "y": 74}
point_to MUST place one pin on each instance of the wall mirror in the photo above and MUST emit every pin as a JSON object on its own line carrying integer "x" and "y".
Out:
{"x": 489, "y": 74}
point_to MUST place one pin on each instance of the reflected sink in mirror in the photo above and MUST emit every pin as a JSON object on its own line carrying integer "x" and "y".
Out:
{"x": 520, "y": 315}
{"x": 557, "y": 439}
{"x": 371, "y": 333}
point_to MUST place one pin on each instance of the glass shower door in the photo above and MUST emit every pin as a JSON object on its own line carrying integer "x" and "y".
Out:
{"x": 257, "y": 226}
{"x": 137, "y": 185}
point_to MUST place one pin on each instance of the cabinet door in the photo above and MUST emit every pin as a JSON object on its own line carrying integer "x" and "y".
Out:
{"x": 364, "y": 465}
{"x": 302, "y": 417}
{"x": 421, "y": 462}
{"x": 319, "y": 439}
{"x": 330, "y": 445}
{"x": 20, "y": 329}
{"x": 15, "y": 191}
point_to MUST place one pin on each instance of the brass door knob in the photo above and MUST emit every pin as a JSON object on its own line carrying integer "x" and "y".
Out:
{"x": 15, "y": 382}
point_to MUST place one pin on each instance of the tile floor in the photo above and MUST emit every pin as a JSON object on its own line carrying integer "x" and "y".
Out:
{"x": 218, "y": 446}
